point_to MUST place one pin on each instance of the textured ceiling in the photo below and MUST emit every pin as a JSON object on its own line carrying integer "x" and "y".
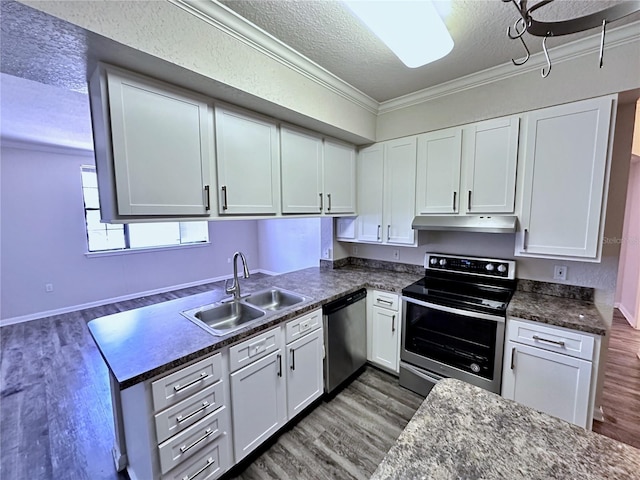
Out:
{"x": 326, "y": 32}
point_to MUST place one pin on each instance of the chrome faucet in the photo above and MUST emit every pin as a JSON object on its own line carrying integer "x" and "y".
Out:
{"x": 235, "y": 286}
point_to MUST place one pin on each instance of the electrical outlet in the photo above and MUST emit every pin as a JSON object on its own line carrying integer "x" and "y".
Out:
{"x": 327, "y": 253}
{"x": 560, "y": 272}
{"x": 48, "y": 287}
{"x": 354, "y": 250}
{"x": 229, "y": 260}
{"x": 396, "y": 254}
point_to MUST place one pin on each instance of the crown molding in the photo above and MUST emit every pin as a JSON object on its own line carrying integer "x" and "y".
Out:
{"x": 229, "y": 22}
{"x": 590, "y": 45}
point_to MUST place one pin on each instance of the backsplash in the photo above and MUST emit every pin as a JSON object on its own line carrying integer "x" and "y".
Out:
{"x": 371, "y": 263}
{"x": 556, "y": 289}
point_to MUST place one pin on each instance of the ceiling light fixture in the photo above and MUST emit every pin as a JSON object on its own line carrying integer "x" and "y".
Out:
{"x": 412, "y": 29}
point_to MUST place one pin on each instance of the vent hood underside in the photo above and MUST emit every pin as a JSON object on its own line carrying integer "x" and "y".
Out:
{"x": 466, "y": 223}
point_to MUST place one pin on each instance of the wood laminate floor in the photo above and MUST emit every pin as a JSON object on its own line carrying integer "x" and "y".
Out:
{"x": 56, "y": 420}
{"x": 621, "y": 393}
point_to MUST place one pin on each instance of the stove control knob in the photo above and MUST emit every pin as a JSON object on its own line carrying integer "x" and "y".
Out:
{"x": 433, "y": 260}
{"x": 443, "y": 262}
{"x": 489, "y": 267}
{"x": 502, "y": 268}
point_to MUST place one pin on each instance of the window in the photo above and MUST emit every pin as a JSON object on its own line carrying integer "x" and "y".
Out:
{"x": 108, "y": 237}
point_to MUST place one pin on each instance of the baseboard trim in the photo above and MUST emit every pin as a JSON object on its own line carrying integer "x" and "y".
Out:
{"x": 98, "y": 303}
{"x": 626, "y": 314}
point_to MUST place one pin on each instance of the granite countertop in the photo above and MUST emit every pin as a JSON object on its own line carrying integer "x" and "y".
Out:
{"x": 573, "y": 313}
{"x": 140, "y": 344}
{"x": 464, "y": 432}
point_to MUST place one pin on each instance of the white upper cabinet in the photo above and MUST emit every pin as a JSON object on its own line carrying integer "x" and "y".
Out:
{"x": 386, "y": 192}
{"x": 370, "y": 185}
{"x": 490, "y": 154}
{"x": 339, "y": 178}
{"x": 318, "y": 176}
{"x": 301, "y": 164}
{"x": 438, "y": 171}
{"x": 565, "y": 180}
{"x": 248, "y": 166}
{"x": 154, "y": 147}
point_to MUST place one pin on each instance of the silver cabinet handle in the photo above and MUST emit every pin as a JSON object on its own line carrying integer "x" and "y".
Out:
{"x": 320, "y": 202}
{"x": 293, "y": 359}
{"x": 555, "y": 342}
{"x": 382, "y": 300}
{"x": 455, "y": 195}
{"x": 224, "y": 198}
{"x": 202, "y": 376}
{"x": 393, "y": 323}
{"x": 513, "y": 353}
{"x": 469, "y": 201}
{"x": 524, "y": 241}
{"x": 379, "y": 227}
{"x": 210, "y": 461}
{"x": 181, "y": 419}
{"x": 207, "y": 433}
{"x": 207, "y": 198}
{"x": 388, "y": 233}
{"x": 279, "y": 365}
{"x": 329, "y": 200}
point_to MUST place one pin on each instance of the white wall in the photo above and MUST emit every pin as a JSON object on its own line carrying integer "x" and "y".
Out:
{"x": 43, "y": 240}
{"x": 288, "y": 244}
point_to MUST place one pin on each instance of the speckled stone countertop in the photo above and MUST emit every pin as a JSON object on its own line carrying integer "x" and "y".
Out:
{"x": 464, "y": 432}
{"x": 140, "y": 344}
{"x": 555, "y": 304}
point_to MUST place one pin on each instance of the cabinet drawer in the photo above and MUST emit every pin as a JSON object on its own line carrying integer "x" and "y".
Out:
{"x": 189, "y": 411}
{"x": 185, "y": 382}
{"x": 198, "y": 436}
{"x": 207, "y": 464}
{"x": 554, "y": 339}
{"x": 251, "y": 350}
{"x": 305, "y": 324}
{"x": 385, "y": 300}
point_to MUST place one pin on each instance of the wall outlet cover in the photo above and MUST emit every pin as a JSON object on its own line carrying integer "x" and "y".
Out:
{"x": 560, "y": 272}
{"x": 396, "y": 254}
{"x": 354, "y": 250}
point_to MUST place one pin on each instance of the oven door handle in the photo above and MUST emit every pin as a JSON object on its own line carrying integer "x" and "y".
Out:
{"x": 456, "y": 311}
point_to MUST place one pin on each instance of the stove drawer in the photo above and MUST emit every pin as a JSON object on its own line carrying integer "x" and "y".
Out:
{"x": 554, "y": 339}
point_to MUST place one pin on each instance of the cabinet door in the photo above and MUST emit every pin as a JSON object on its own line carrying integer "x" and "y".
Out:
{"x": 567, "y": 149}
{"x": 370, "y": 185}
{"x": 161, "y": 142}
{"x": 547, "y": 381}
{"x": 301, "y": 171}
{"x": 490, "y": 151}
{"x": 438, "y": 171}
{"x": 339, "y": 174}
{"x": 399, "y": 190}
{"x": 258, "y": 398}
{"x": 305, "y": 380}
{"x": 385, "y": 338}
{"x": 247, "y": 157}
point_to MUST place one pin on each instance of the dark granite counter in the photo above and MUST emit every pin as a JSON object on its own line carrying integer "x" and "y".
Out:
{"x": 572, "y": 313}
{"x": 464, "y": 432}
{"x": 140, "y": 344}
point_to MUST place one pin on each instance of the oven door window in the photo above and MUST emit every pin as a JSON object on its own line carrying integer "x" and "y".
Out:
{"x": 466, "y": 343}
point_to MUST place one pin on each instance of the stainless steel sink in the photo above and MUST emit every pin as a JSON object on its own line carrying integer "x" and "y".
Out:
{"x": 225, "y": 318}
{"x": 274, "y": 299}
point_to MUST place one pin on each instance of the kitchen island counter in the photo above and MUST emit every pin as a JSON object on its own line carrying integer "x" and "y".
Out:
{"x": 464, "y": 432}
{"x": 140, "y": 344}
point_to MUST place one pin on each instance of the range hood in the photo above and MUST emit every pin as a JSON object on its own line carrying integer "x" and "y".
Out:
{"x": 466, "y": 223}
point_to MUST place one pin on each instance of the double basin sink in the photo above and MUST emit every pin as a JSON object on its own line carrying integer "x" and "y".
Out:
{"x": 231, "y": 315}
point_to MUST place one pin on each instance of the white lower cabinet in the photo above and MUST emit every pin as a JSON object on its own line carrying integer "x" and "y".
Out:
{"x": 551, "y": 369}
{"x": 383, "y": 330}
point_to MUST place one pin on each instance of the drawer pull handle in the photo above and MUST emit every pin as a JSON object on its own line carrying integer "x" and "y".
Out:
{"x": 555, "y": 342}
{"x": 224, "y": 197}
{"x": 321, "y": 206}
{"x": 455, "y": 196}
{"x": 382, "y": 300}
{"x": 469, "y": 201}
{"x": 513, "y": 353}
{"x": 524, "y": 240}
{"x": 329, "y": 200}
{"x": 202, "y": 376}
{"x": 378, "y": 237}
{"x": 181, "y": 419}
{"x": 393, "y": 323}
{"x": 293, "y": 359}
{"x": 279, "y": 365}
{"x": 210, "y": 461}
{"x": 208, "y": 433}
{"x": 388, "y": 233}
{"x": 207, "y": 198}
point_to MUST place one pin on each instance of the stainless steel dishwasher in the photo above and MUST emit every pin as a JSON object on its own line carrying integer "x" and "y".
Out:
{"x": 345, "y": 338}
